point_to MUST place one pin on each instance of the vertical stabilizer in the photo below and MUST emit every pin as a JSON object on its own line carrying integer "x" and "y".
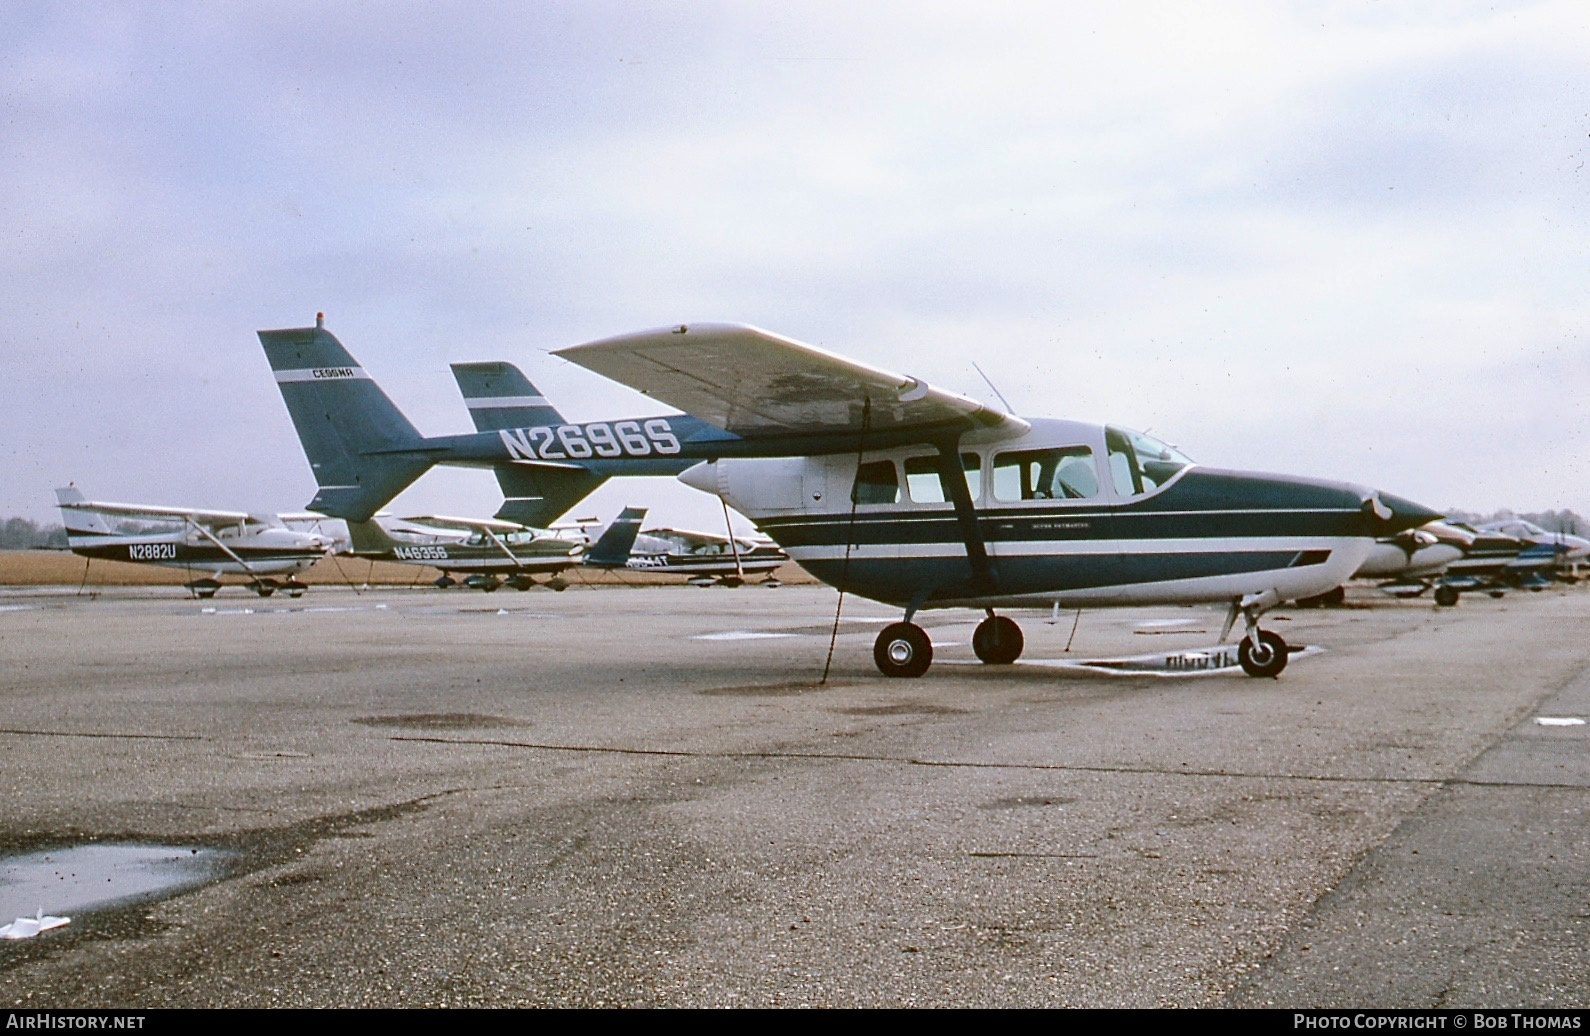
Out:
{"x": 361, "y": 448}
{"x": 500, "y": 396}
{"x": 80, "y": 522}
{"x": 612, "y": 549}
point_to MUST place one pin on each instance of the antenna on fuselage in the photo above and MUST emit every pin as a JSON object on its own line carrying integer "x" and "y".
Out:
{"x": 1008, "y": 408}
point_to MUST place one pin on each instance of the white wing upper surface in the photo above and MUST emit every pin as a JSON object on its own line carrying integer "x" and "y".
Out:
{"x": 192, "y": 514}
{"x": 758, "y": 385}
{"x": 444, "y": 521}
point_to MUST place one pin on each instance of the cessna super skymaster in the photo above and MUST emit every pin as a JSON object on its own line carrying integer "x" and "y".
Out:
{"x": 206, "y": 544}
{"x": 880, "y": 484}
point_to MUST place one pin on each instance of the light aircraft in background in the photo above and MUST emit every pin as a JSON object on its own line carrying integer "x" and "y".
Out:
{"x": 1410, "y": 563}
{"x": 207, "y": 544}
{"x": 1565, "y": 549}
{"x": 703, "y": 558}
{"x": 884, "y": 486}
{"x": 487, "y": 552}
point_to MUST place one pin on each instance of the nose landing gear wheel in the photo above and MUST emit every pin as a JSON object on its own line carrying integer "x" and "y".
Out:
{"x": 903, "y": 649}
{"x": 997, "y": 640}
{"x": 1446, "y": 596}
{"x": 1267, "y": 658}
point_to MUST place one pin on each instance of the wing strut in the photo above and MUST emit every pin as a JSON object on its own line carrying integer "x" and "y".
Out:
{"x": 503, "y": 547}
{"x": 953, "y": 475}
{"x": 207, "y": 534}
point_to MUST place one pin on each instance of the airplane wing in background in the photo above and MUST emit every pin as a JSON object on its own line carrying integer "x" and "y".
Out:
{"x": 759, "y": 385}
{"x": 152, "y": 511}
{"x": 442, "y": 521}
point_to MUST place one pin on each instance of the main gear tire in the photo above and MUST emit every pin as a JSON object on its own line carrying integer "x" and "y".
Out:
{"x": 997, "y": 640}
{"x": 903, "y": 649}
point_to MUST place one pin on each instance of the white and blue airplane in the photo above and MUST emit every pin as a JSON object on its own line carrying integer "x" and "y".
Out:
{"x": 878, "y": 484}
{"x": 205, "y": 544}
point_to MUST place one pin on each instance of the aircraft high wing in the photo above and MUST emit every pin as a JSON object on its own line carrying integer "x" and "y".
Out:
{"x": 206, "y": 543}
{"x": 759, "y": 385}
{"x": 877, "y": 483}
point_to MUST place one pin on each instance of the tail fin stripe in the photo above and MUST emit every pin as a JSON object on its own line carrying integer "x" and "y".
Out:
{"x": 490, "y": 402}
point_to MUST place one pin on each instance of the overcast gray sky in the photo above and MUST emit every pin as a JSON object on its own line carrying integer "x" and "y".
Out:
{"x": 1346, "y": 240}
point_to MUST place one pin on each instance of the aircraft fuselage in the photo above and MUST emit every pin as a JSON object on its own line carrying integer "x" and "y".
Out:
{"x": 1064, "y": 519}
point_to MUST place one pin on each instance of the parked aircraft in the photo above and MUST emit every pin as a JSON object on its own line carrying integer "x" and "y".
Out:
{"x": 1566, "y": 550}
{"x": 489, "y": 553}
{"x": 703, "y": 558}
{"x": 1412, "y": 562}
{"x": 207, "y": 544}
{"x": 884, "y": 486}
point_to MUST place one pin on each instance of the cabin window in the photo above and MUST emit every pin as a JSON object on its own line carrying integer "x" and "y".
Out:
{"x": 876, "y": 483}
{"x": 922, "y": 479}
{"x": 1065, "y": 473}
{"x": 1140, "y": 463}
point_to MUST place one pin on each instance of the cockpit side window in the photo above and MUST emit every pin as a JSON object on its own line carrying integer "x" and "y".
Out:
{"x": 1065, "y": 473}
{"x": 876, "y": 483}
{"x": 923, "y": 483}
{"x": 1140, "y": 463}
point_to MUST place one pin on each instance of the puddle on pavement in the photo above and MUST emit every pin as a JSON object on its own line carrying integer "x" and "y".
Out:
{"x": 90, "y": 877}
{"x": 439, "y": 721}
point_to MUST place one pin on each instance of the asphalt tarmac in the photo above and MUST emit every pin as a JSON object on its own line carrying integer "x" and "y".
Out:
{"x": 645, "y": 797}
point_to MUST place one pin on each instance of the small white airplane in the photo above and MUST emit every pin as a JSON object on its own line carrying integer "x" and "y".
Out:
{"x": 875, "y": 482}
{"x": 489, "y": 553}
{"x": 703, "y": 558}
{"x": 207, "y": 544}
{"x": 1566, "y": 550}
{"x": 1410, "y": 563}
{"x": 707, "y": 558}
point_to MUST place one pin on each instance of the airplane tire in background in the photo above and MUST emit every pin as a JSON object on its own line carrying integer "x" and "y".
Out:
{"x": 997, "y": 640}
{"x": 1268, "y": 659}
{"x": 1446, "y": 596}
{"x": 1332, "y": 598}
{"x": 903, "y": 649}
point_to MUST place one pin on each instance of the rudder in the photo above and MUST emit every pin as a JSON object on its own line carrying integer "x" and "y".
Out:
{"x": 361, "y": 448}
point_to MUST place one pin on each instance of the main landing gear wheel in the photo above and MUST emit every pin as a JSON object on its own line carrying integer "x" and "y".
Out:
{"x": 997, "y": 640}
{"x": 1267, "y": 658}
{"x": 903, "y": 649}
{"x": 1446, "y": 596}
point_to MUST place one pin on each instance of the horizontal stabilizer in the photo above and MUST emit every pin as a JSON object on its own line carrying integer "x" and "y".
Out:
{"x": 538, "y": 494}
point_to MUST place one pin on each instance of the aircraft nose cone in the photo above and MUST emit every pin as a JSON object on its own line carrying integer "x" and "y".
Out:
{"x": 1404, "y": 513}
{"x": 703, "y": 476}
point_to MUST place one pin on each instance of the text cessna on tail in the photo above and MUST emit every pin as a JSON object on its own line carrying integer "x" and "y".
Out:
{"x": 881, "y": 484}
{"x": 209, "y": 544}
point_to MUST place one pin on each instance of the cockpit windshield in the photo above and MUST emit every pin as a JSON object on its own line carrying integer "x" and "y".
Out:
{"x": 1140, "y": 463}
{"x": 512, "y": 539}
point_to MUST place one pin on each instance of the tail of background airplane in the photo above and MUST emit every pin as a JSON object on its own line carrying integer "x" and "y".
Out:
{"x": 79, "y": 522}
{"x": 612, "y": 548}
{"x": 499, "y": 396}
{"x": 361, "y": 448}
